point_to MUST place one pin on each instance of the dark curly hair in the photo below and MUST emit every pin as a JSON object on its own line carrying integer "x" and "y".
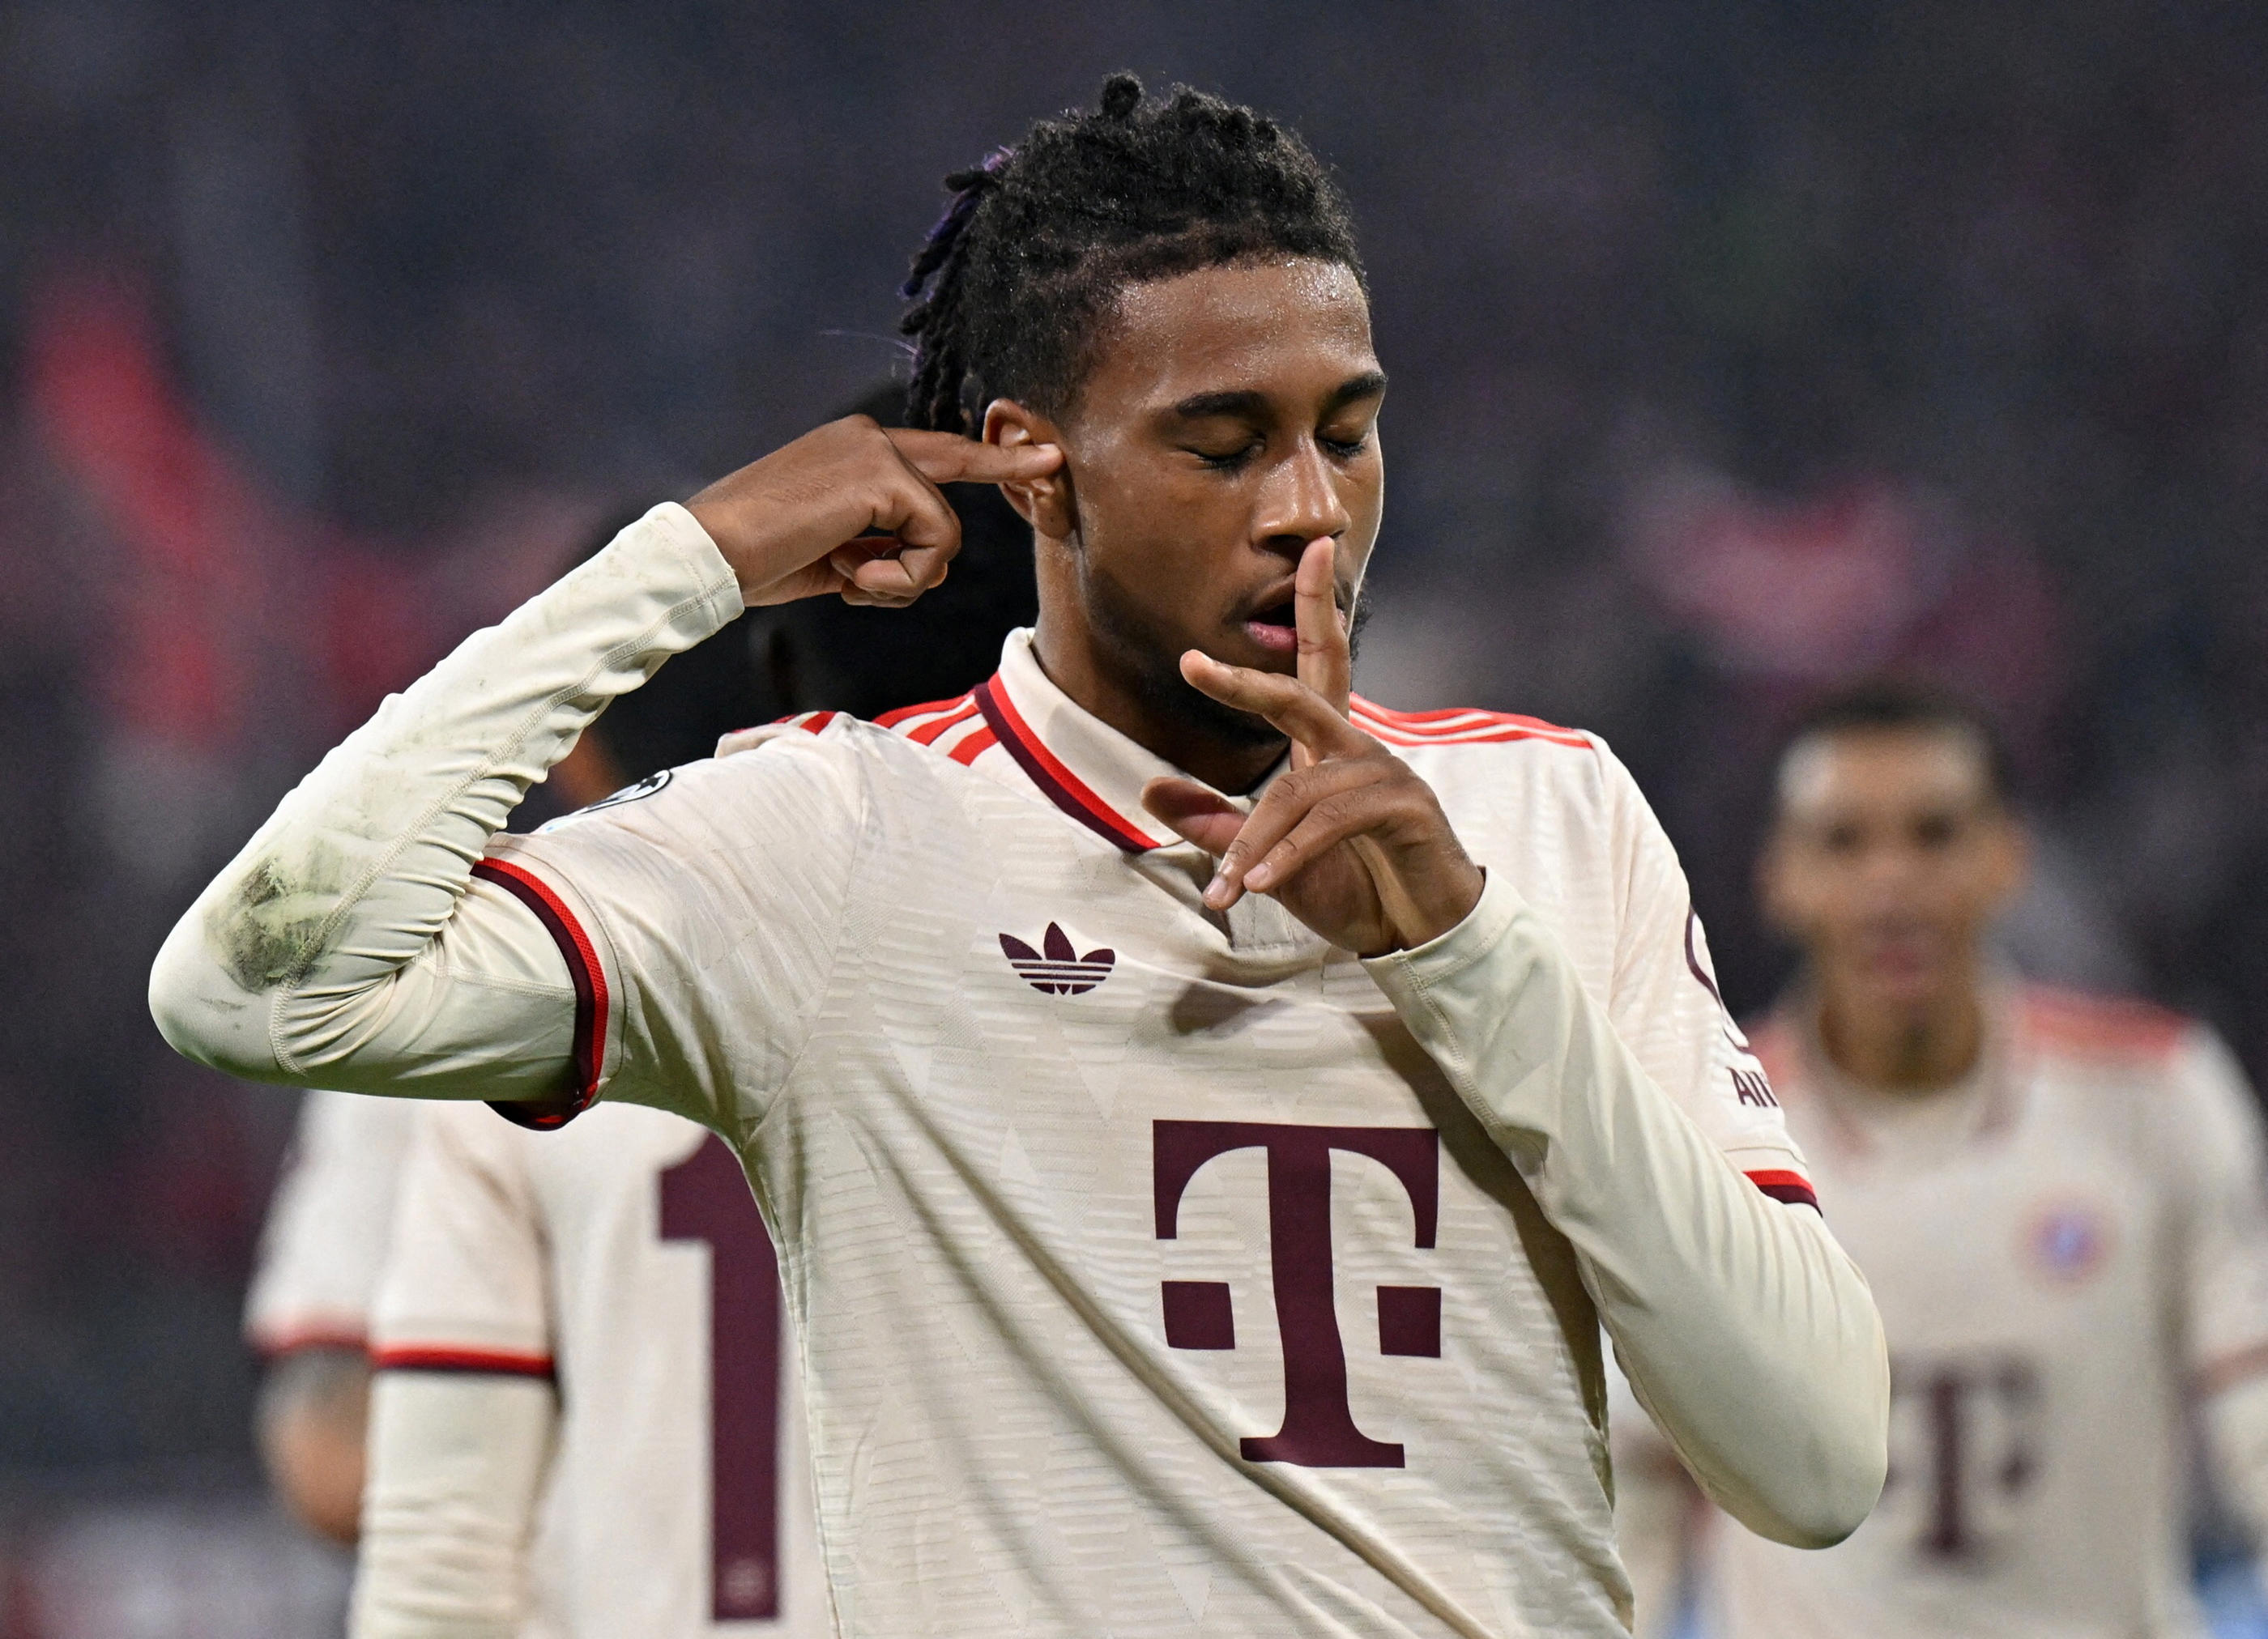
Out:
{"x": 1009, "y": 292}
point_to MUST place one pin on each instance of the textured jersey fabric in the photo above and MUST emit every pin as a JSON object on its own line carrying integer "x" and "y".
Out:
{"x": 328, "y": 1225}
{"x": 624, "y": 1259}
{"x": 2065, "y": 1248}
{"x": 1154, "y": 1268}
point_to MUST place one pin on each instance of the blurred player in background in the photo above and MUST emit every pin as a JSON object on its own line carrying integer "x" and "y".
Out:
{"x": 2057, "y": 1199}
{"x": 330, "y": 1227}
{"x": 587, "y": 1420}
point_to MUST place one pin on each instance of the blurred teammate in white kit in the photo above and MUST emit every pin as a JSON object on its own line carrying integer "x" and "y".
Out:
{"x": 2056, "y": 1200}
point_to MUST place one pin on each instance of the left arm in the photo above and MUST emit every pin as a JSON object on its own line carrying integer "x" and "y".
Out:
{"x": 1744, "y": 1328}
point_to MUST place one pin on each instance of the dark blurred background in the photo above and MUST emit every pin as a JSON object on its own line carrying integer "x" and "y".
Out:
{"x": 1738, "y": 345}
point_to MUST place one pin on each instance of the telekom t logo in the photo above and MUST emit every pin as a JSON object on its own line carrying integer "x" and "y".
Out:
{"x": 1318, "y": 1429}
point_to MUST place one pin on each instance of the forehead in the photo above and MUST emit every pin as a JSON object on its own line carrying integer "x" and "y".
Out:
{"x": 1853, "y": 772}
{"x": 1286, "y": 325}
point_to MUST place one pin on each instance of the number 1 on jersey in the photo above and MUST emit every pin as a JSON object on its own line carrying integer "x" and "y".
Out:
{"x": 705, "y": 1197}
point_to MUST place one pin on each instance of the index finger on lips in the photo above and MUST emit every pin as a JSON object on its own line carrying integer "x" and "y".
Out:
{"x": 1288, "y": 704}
{"x": 946, "y": 458}
{"x": 1325, "y": 662}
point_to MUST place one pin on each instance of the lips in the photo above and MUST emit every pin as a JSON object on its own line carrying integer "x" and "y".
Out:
{"x": 1275, "y": 627}
{"x": 1269, "y": 620}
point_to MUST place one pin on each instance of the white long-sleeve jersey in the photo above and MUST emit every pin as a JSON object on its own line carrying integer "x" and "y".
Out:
{"x": 622, "y": 1261}
{"x": 1155, "y": 1267}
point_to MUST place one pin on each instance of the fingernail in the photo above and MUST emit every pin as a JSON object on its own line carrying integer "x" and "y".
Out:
{"x": 1216, "y": 893}
{"x": 1258, "y": 877}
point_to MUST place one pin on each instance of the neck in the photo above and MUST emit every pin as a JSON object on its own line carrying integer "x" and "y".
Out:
{"x": 1127, "y": 704}
{"x": 1906, "y": 1048}
{"x": 1126, "y": 677}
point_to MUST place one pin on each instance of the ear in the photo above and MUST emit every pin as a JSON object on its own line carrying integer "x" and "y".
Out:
{"x": 1045, "y": 504}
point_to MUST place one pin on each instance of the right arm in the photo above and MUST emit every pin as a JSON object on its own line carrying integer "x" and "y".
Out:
{"x": 352, "y": 944}
{"x": 349, "y": 943}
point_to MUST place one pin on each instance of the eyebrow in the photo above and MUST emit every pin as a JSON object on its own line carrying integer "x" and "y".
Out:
{"x": 1252, "y": 405}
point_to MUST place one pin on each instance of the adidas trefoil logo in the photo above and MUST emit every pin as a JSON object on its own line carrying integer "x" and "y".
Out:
{"x": 1055, "y": 969}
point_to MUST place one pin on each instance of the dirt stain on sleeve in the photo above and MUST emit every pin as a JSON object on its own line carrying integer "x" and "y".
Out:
{"x": 269, "y": 929}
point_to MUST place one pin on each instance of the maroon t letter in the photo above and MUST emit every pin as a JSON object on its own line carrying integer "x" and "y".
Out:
{"x": 1318, "y": 1429}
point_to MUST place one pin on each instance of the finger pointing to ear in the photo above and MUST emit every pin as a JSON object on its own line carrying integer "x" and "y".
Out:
{"x": 946, "y": 458}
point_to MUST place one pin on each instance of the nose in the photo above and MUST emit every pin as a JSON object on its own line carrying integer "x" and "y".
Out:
{"x": 1301, "y": 500}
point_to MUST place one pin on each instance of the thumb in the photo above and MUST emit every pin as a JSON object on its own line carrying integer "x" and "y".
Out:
{"x": 1195, "y": 813}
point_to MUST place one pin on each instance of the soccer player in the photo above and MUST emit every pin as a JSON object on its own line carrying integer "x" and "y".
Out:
{"x": 2057, "y": 1199}
{"x": 585, "y": 1420}
{"x": 1204, "y": 1117}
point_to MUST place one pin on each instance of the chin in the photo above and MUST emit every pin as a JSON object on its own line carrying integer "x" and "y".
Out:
{"x": 1907, "y": 993}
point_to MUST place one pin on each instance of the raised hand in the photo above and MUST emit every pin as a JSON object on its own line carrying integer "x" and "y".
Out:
{"x": 794, "y": 524}
{"x": 1349, "y": 840}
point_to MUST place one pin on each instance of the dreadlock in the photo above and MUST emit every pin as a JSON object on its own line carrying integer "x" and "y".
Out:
{"x": 1012, "y": 286}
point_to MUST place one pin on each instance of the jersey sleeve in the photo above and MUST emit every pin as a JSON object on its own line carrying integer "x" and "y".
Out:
{"x": 356, "y": 941}
{"x": 329, "y": 1226}
{"x": 699, "y": 921}
{"x": 2221, "y": 1186}
{"x": 1665, "y": 1004}
{"x": 465, "y": 1289}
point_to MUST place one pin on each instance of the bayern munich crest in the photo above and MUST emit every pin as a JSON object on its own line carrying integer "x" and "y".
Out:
{"x": 1054, "y": 969}
{"x": 2068, "y": 1242}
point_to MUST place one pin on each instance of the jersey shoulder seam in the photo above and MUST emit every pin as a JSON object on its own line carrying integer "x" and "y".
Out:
{"x": 2104, "y": 1030}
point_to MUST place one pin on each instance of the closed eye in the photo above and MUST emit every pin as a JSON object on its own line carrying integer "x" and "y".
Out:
{"x": 1227, "y": 460}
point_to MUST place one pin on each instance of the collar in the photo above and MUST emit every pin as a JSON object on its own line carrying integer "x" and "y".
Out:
{"x": 1982, "y": 1105}
{"x": 1079, "y": 763}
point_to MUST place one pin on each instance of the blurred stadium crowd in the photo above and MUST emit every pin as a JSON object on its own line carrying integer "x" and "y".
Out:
{"x": 1738, "y": 345}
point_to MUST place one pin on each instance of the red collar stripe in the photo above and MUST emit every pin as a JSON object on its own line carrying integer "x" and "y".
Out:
{"x": 1063, "y": 788}
{"x": 590, "y": 982}
{"x": 927, "y": 734}
{"x": 1792, "y": 1188}
{"x": 975, "y": 746}
{"x": 1461, "y": 725}
{"x": 907, "y": 714}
